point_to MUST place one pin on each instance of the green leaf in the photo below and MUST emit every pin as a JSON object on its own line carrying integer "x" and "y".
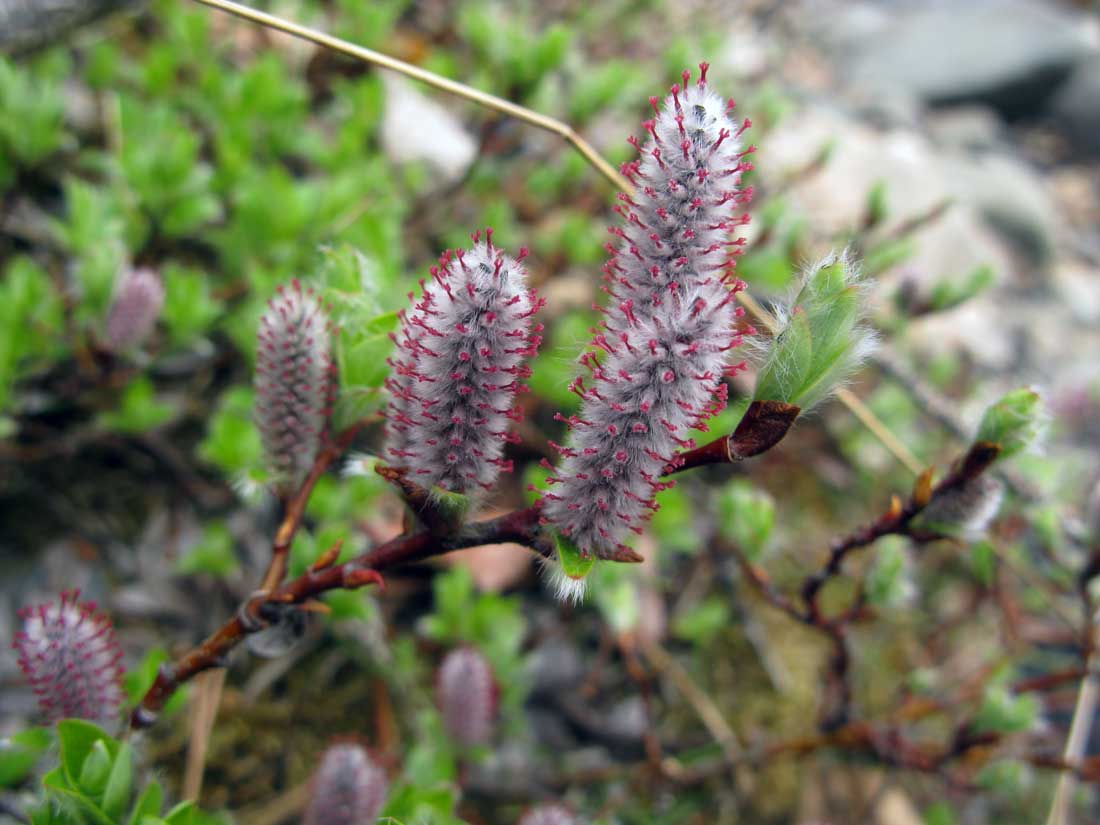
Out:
{"x": 674, "y": 523}
{"x": 951, "y": 292}
{"x": 788, "y": 365}
{"x": 73, "y": 801}
{"x": 983, "y": 561}
{"x": 703, "y": 621}
{"x": 877, "y": 209}
{"x": 887, "y": 583}
{"x": 214, "y": 554}
{"x": 138, "y": 409}
{"x": 20, "y": 752}
{"x": 120, "y": 783}
{"x": 940, "y": 813}
{"x": 1004, "y": 712}
{"x": 148, "y": 804}
{"x": 1008, "y": 777}
{"x": 96, "y": 770}
{"x": 746, "y": 517}
{"x": 77, "y": 738}
{"x": 573, "y": 563}
{"x": 232, "y": 441}
{"x": 616, "y": 593}
{"x": 189, "y": 310}
{"x": 181, "y": 814}
{"x": 353, "y": 605}
{"x": 1013, "y": 423}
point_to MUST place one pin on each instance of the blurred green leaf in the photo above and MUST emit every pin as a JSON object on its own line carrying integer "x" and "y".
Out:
{"x": 232, "y": 441}
{"x": 138, "y": 409}
{"x": 20, "y": 752}
{"x": 214, "y": 554}
{"x": 746, "y": 517}
{"x": 703, "y": 621}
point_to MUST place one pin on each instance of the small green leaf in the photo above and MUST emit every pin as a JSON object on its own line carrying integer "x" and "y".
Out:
{"x": 1005, "y": 712}
{"x": 96, "y": 769}
{"x": 1013, "y": 423}
{"x": 877, "y": 209}
{"x": 119, "y": 784}
{"x": 148, "y": 804}
{"x": 983, "y": 561}
{"x": 19, "y": 754}
{"x": 573, "y": 563}
{"x": 76, "y": 738}
{"x": 354, "y": 605}
{"x": 71, "y": 800}
{"x": 181, "y": 814}
{"x": 138, "y": 410}
{"x": 214, "y": 554}
{"x": 232, "y": 441}
{"x": 703, "y": 621}
{"x": 746, "y": 517}
{"x": 887, "y": 584}
{"x": 452, "y": 506}
{"x": 940, "y": 813}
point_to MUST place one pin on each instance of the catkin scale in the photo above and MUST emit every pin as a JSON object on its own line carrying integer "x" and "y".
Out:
{"x": 70, "y": 656}
{"x": 458, "y": 366}
{"x": 657, "y": 360}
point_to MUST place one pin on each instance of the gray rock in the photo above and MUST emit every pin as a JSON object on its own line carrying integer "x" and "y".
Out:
{"x": 969, "y": 128}
{"x": 1075, "y": 110}
{"x": 1010, "y": 54}
{"x": 1010, "y": 196}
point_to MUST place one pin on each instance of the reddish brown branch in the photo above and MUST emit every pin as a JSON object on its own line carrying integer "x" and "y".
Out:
{"x": 520, "y": 526}
{"x": 296, "y": 506}
{"x": 897, "y": 520}
{"x": 762, "y": 427}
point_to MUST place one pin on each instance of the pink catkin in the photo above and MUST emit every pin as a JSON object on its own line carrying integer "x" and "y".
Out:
{"x": 69, "y": 653}
{"x": 458, "y": 367}
{"x": 658, "y": 357}
{"x": 467, "y": 696}
{"x": 294, "y": 383}
{"x": 137, "y": 305}
{"x": 348, "y": 788}
{"x": 552, "y": 814}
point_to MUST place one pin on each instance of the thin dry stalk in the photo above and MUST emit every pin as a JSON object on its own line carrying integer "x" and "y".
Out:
{"x": 208, "y": 696}
{"x": 1087, "y": 696}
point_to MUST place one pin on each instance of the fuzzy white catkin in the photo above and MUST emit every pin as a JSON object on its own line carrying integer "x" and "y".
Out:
{"x": 68, "y": 651}
{"x": 657, "y": 362}
{"x": 348, "y": 788}
{"x": 457, "y": 369}
{"x": 137, "y": 304}
{"x": 552, "y": 814}
{"x": 467, "y": 696}
{"x": 294, "y": 383}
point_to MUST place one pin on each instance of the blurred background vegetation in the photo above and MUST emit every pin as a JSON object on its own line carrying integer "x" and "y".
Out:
{"x": 232, "y": 159}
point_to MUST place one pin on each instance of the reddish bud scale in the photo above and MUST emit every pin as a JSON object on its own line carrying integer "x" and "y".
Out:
{"x": 458, "y": 366}
{"x": 549, "y": 815}
{"x": 467, "y": 696}
{"x": 661, "y": 350}
{"x": 294, "y": 383}
{"x": 138, "y": 301}
{"x": 348, "y": 788}
{"x": 70, "y": 656}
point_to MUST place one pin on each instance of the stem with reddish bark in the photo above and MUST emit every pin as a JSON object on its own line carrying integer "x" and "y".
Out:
{"x": 758, "y": 431}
